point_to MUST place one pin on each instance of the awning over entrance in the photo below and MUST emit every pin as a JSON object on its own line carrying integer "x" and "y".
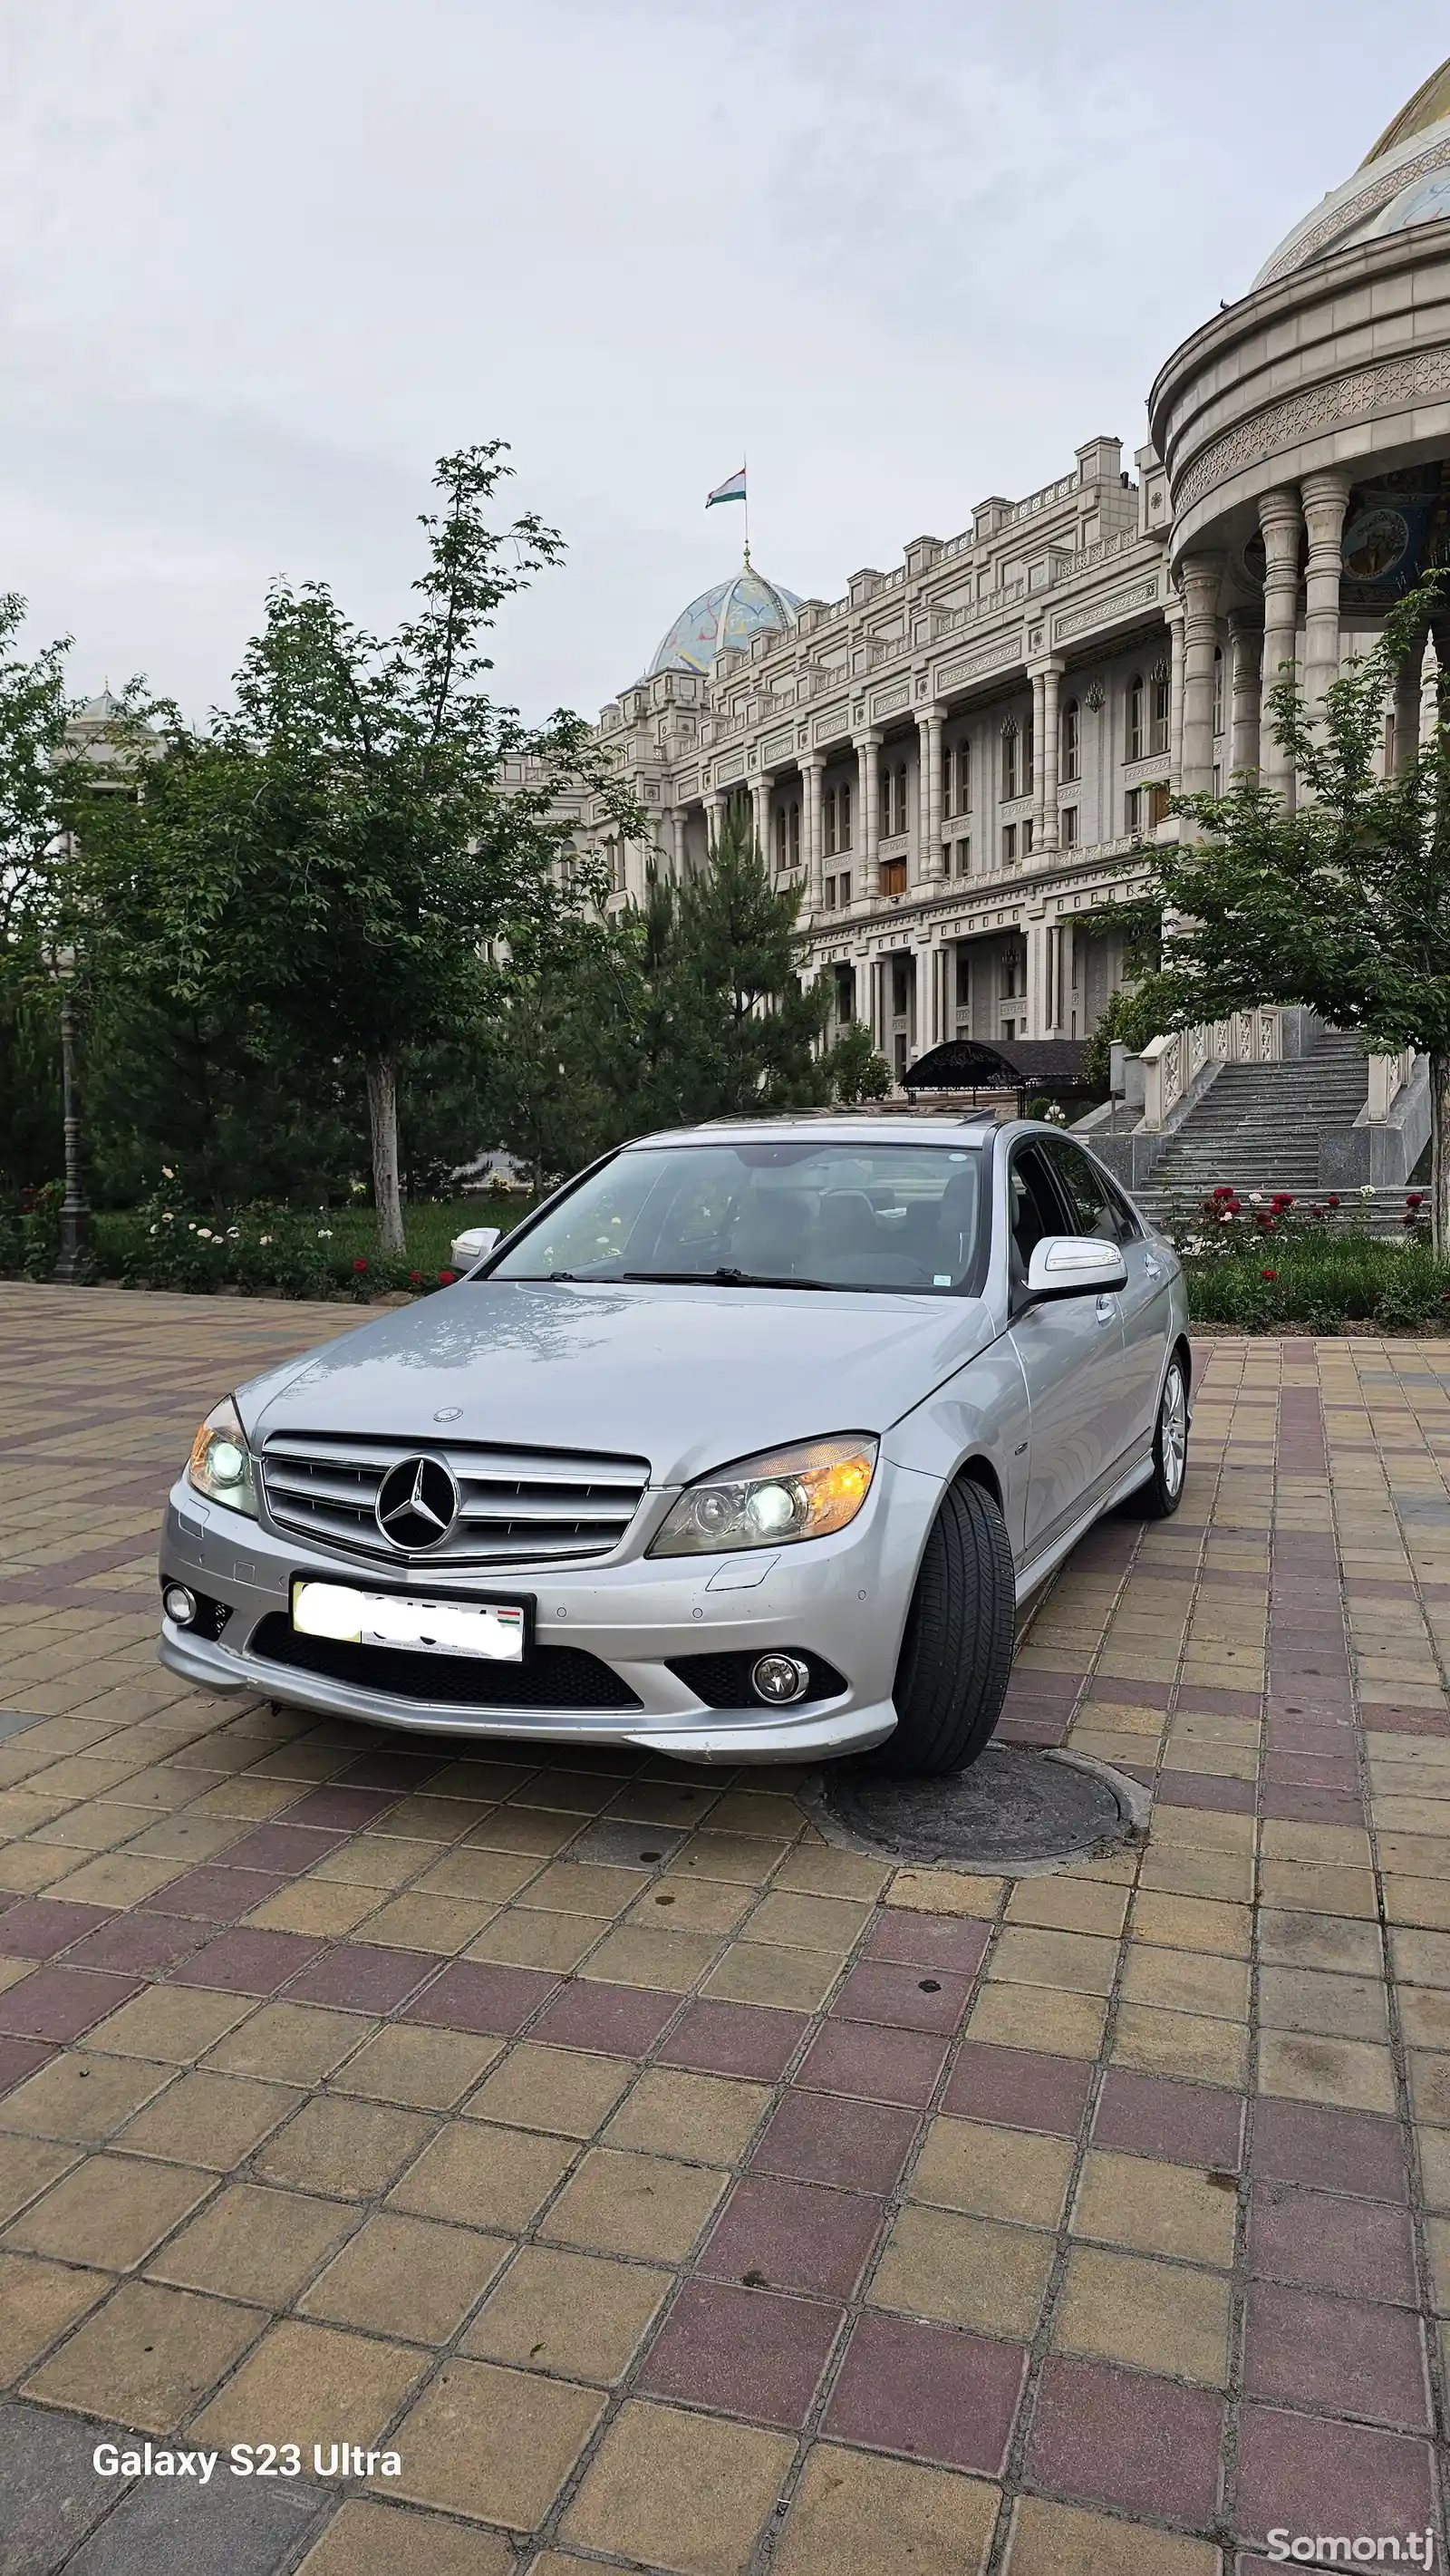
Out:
{"x": 1014, "y": 1064}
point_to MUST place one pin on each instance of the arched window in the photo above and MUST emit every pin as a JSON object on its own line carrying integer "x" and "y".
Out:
{"x": 1071, "y": 740}
{"x": 1158, "y": 740}
{"x": 1029, "y": 756}
{"x": 1011, "y": 763}
{"x": 1136, "y": 743}
{"x": 1218, "y": 688}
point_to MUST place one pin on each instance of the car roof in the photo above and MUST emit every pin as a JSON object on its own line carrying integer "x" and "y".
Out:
{"x": 832, "y": 1126}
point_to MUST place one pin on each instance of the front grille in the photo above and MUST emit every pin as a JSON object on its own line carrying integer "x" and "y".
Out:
{"x": 551, "y": 1677}
{"x": 516, "y": 1506}
{"x": 723, "y": 1681}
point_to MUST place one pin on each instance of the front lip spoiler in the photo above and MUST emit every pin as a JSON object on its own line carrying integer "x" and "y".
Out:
{"x": 729, "y": 1735}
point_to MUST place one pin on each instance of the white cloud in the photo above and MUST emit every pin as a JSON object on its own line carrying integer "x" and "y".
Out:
{"x": 258, "y": 266}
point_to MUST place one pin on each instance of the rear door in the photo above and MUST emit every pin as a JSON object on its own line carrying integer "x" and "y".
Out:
{"x": 1144, "y": 1301}
{"x": 1071, "y": 1350}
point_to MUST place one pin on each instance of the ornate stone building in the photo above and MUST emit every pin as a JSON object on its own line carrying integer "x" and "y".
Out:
{"x": 949, "y": 756}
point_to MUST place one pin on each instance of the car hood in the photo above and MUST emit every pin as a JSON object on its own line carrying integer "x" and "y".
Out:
{"x": 686, "y": 1377}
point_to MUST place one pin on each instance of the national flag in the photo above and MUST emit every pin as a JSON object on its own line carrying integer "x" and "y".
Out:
{"x": 732, "y": 489}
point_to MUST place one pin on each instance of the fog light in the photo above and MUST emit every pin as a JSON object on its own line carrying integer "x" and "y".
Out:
{"x": 780, "y": 1679}
{"x": 179, "y": 1605}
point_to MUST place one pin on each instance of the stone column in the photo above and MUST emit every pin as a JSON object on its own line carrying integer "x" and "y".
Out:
{"x": 715, "y": 804}
{"x": 929, "y": 722}
{"x": 1326, "y": 498}
{"x": 1281, "y": 521}
{"x": 1202, "y": 579}
{"x": 1246, "y": 646}
{"x": 1038, "y": 745}
{"x": 1036, "y": 932}
{"x": 1047, "y": 761}
{"x": 813, "y": 765}
{"x": 677, "y": 844}
{"x": 760, "y": 807}
{"x": 1173, "y": 614}
{"x": 868, "y": 759}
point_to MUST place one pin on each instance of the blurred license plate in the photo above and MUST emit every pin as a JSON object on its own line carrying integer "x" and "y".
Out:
{"x": 491, "y": 1629}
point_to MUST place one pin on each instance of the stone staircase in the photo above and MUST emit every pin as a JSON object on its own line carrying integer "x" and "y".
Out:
{"x": 1258, "y": 1128}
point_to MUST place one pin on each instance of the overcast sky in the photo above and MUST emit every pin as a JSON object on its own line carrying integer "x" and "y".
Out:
{"x": 262, "y": 260}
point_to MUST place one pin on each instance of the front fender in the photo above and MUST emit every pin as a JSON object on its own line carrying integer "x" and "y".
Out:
{"x": 982, "y": 1412}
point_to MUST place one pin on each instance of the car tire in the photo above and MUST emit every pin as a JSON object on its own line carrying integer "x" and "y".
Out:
{"x": 1160, "y": 1497}
{"x": 956, "y": 1652}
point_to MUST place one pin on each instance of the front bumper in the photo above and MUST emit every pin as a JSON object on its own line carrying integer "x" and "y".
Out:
{"x": 842, "y": 1598}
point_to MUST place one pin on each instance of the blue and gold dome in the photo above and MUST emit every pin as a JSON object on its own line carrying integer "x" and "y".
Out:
{"x": 726, "y": 619}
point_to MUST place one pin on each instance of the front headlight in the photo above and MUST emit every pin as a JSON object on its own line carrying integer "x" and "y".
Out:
{"x": 803, "y": 1492}
{"x": 220, "y": 1465}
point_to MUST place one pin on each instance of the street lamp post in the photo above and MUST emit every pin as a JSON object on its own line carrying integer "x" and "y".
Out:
{"x": 74, "y": 1265}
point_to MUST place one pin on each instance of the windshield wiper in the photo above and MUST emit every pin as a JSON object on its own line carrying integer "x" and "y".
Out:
{"x": 722, "y": 1277}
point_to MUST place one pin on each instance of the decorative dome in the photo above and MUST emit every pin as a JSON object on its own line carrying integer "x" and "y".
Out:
{"x": 726, "y": 619}
{"x": 1404, "y": 180}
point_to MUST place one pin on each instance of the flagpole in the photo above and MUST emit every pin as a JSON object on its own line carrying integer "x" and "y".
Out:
{"x": 745, "y": 469}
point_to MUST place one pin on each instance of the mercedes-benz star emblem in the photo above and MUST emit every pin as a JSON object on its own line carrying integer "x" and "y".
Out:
{"x": 417, "y": 1503}
{"x": 449, "y": 1413}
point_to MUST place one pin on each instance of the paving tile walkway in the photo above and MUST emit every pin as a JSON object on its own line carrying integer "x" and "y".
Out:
{"x": 671, "y": 2190}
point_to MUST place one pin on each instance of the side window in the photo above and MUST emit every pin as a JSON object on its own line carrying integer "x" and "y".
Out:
{"x": 1085, "y": 1191}
{"x": 1033, "y": 1209}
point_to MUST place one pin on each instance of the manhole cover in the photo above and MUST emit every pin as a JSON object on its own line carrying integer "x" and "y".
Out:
{"x": 1015, "y": 1806}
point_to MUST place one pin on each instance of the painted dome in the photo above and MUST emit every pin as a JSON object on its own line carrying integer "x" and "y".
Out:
{"x": 726, "y": 619}
{"x": 1404, "y": 180}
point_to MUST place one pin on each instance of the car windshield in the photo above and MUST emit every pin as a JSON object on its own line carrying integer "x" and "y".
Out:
{"x": 798, "y": 1213}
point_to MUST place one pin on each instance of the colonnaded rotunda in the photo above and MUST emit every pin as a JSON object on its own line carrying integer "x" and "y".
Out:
{"x": 949, "y": 755}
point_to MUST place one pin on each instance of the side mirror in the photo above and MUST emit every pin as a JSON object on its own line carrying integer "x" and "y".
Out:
{"x": 471, "y": 1245}
{"x": 1074, "y": 1265}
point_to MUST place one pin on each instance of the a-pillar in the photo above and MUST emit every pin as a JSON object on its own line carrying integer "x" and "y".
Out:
{"x": 1246, "y": 646}
{"x": 760, "y": 808}
{"x": 929, "y": 722}
{"x": 1326, "y": 498}
{"x": 868, "y": 760}
{"x": 1046, "y": 757}
{"x": 1202, "y": 580}
{"x": 1282, "y": 522}
{"x": 813, "y": 764}
{"x": 1174, "y": 616}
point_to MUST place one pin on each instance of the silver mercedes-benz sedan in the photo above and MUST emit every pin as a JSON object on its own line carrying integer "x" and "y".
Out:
{"x": 745, "y": 1446}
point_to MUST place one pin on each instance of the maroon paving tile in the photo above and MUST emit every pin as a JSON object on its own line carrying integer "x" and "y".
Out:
{"x": 1300, "y": 2473}
{"x": 342, "y": 1806}
{"x": 1360, "y": 2248}
{"x": 1185, "y": 2124}
{"x": 873, "y": 2065}
{"x": 216, "y": 1893}
{"x": 1200, "y": 1699}
{"x": 1019, "y": 2088}
{"x": 393, "y": 1770}
{"x": 1285, "y": 1805}
{"x": 1336, "y": 2356}
{"x": 472, "y": 1995}
{"x": 810, "y": 2138}
{"x": 929, "y": 2391}
{"x": 140, "y": 1941}
{"x": 245, "y": 1962}
{"x": 361, "y": 1976}
{"x": 1345, "y": 2151}
{"x": 38, "y": 1926}
{"x": 742, "y": 2351}
{"x": 902, "y": 1998}
{"x": 1124, "y": 1688}
{"x": 1051, "y": 1731}
{"x": 1306, "y": 1766}
{"x": 793, "y": 2236}
{"x": 288, "y": 1849}
{"x": 19, "y": 2058}
{"x": 1382, "y": 1717}
{"x": 928, "y": 1941}
{"x": 1125, "y": 2438}
{"x": 1055, "y": 1694}
{"x": 735, "y": 2039}
{"x": 59, "y": 2003}
{"x": 1201, "y": 1789}
{"x": 619, "y": 2021}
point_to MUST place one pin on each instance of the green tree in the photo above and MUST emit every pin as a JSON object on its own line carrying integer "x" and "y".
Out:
{"x": 341, "y": 851}
{"x": 1343, "y": 903}
{"x": 746, "y": 1029}
{"x": 854, "y": 1070}
{"x": 33, "y": 710}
